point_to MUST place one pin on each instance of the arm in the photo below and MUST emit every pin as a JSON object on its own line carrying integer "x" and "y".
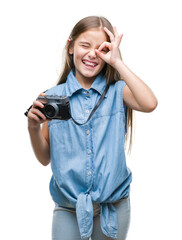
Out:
{"x": 39, "y": 137}
{"x": 136, "y": 95}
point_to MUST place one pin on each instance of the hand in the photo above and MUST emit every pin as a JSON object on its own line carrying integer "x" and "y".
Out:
{"x": 112, "y": 56}
{"x": 35, "y": 116}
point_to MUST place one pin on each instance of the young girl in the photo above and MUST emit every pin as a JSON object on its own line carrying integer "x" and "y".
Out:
{"x": 91, "y": 182}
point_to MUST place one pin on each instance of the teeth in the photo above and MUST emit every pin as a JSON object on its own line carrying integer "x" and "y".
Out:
{"x": 90, "y": 64}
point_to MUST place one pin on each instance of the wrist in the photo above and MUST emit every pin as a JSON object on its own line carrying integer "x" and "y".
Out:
{"x": 33, "y": 128}
{"x": 118, "y": 65}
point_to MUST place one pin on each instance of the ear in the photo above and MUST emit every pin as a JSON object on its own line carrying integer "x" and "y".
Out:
{"x": 70, "y": 50}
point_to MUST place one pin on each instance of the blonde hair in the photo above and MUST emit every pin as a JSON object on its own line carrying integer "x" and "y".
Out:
{"x": 110, "y": 73}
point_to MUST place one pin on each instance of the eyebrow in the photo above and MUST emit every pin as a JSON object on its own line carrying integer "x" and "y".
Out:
{"x": 84, "y": 42}
{"x": 89, "y": 44}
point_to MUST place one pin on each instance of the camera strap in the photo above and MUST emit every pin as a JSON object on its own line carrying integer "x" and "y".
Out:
{"x": 91, "y": 114}
{"x": 95, "y": 108}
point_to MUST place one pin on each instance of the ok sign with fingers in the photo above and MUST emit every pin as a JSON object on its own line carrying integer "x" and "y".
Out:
{"x": 109, "y": 51}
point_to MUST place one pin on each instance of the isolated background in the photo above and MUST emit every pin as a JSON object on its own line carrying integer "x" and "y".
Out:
{"x": 33, "y": 34}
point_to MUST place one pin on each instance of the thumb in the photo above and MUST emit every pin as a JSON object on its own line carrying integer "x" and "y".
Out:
{"x": 42, "y": 94}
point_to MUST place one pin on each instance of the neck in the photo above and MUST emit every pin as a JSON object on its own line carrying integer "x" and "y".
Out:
{"x": 85, "y": 85}
{"x": 86, "y": 82}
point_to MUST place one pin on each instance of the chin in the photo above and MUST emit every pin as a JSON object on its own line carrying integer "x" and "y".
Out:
{"x": 90, "y": 75}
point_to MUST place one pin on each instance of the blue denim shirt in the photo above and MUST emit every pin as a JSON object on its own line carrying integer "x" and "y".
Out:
{"x": 88, "y": 161}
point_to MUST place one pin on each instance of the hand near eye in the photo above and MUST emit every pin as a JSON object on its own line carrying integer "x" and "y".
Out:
{"x": 112, "y": 56}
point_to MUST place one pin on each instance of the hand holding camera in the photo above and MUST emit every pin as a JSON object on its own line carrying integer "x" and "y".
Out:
{"x": 55, "y": 107}
{"x": 35, "y": 116}
{"x": 48, "y": 108}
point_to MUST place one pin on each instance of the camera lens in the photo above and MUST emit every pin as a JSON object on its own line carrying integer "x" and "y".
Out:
{"x": 51, "y": 110}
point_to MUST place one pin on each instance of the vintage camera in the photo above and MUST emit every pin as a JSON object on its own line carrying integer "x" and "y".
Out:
{"x": 58, "y": 107}
{"x": 55, "y": 107}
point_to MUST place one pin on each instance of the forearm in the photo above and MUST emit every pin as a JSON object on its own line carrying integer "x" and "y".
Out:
{"x": 40, "y": 145}
{"x": 141, "y": 92}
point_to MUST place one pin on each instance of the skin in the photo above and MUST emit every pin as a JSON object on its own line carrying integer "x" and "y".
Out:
{"x": 90, "y": 53}
{"x": 87, "y": 64}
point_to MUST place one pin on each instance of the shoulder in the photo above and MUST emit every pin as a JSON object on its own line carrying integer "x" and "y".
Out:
{"x": 120, "y": 84}
{"x": 57, "y": 90}
{"x": 115, "y": 95}
{"x": 118, "y": 87}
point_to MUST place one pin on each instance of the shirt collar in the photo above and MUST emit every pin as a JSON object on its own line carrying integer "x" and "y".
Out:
{"x": 99, "y": 84}
{"x": 72, "y": 84}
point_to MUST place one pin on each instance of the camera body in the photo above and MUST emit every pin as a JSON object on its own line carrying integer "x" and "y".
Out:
{"x": 55, "y": 107}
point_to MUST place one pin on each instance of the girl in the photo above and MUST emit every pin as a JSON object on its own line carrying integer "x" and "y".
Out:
{"x": 91, "y": 182}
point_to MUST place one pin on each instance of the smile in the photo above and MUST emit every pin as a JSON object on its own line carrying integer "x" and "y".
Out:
{"x": 89, "y": 63}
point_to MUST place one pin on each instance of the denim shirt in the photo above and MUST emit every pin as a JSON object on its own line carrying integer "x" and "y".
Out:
{"x": 88, "y": 161}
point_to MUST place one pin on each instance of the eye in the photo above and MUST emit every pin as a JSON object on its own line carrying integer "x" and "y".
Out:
{"x": 85, "y": 45}
{"x": 105, "y": 50}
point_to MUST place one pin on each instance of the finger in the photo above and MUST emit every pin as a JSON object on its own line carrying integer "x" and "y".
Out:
{"x": 104, "y": 45}
{"x": 115, "y": 32}
{"x": 109, "y": 33}
{"x": 38, "y": 113}
{"x": 37, "y": 103}
{"x": 42, "y": 100}
{"x": 101, "y": 55}
{"x": 42, "y": 94}
{"x": 32, "y": 116}
{"x": 120, "y": 38}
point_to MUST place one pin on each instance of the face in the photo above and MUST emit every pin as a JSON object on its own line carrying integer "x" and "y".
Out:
{"x": 87, "y": 63}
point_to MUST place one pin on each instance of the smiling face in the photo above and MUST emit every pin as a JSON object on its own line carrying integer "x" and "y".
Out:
{"x": 87, "y": 64}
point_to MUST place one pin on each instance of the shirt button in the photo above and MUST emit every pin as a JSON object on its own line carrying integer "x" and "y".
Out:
{"x": 85, "y": 92}
{"x": 89, "y": 173}
{"x": 88, "y": 132}
{"x": 87, "y": 111}
{"x": 89, "y": 151}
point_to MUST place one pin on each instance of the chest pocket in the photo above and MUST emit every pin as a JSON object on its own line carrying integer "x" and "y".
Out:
{"x": 81, "y": 106}
{"x": 111, "y": 105}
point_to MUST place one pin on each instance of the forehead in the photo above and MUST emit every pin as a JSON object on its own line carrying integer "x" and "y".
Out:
{"x": 93, "y": 36}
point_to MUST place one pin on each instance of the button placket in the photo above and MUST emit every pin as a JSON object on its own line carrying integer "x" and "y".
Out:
{"x": 89, "y": 152}
{"x": 87, "y": 111}
{"x": 89, "y": 169}
{"x": 87, "y": 107}
{"x": 89, "y": 155}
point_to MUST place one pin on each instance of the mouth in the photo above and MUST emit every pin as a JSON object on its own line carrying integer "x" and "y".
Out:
{"x": 89, "y": 64}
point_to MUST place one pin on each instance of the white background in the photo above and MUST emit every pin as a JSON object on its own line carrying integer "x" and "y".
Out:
{"x": 33, "y": 34}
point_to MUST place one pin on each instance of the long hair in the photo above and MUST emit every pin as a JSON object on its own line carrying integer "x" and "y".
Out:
{"x": 110, "y": 73}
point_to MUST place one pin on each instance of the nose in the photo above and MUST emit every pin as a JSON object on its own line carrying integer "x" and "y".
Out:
{"x": 92, "y": 53}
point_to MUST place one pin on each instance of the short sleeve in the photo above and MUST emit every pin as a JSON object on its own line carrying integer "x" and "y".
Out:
{"x": 126, "y": 117}
{"x": 123, "y": 84}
